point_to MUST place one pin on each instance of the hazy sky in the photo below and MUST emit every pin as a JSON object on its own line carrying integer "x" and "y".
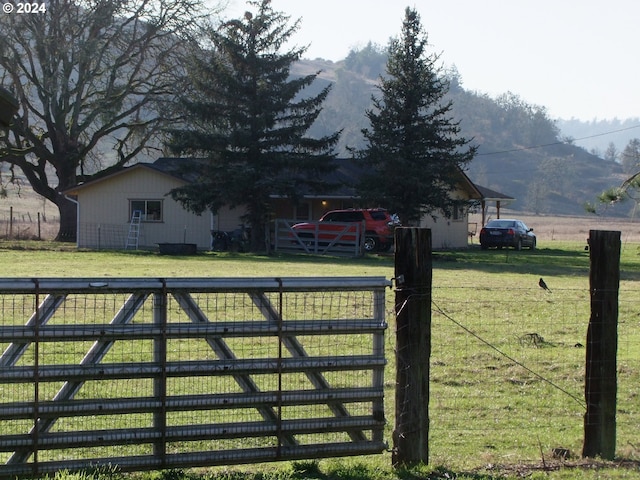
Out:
{"x": 577, "y": 58}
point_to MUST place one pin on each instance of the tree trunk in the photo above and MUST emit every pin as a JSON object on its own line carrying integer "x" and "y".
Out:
{"x": 258, "y": 237}
{"x": 68, "y": 220}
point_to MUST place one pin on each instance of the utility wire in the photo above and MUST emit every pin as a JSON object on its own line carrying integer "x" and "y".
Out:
{"x": 533, "y": 147}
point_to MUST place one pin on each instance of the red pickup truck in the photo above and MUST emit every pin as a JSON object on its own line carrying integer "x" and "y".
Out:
{"x": 378, "y": 224}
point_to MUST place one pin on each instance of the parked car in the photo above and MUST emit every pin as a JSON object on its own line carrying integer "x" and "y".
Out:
{"x": 507, "y": 233}
{"x": 378, "y": 225}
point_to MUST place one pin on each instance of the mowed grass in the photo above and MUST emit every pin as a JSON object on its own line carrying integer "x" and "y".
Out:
{"x": 472, "y": 290}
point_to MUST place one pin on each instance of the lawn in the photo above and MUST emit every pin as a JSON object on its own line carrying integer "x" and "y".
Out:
{"x": 485, "y": 305}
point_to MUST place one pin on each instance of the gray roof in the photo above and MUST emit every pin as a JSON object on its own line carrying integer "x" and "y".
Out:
{"x": 343, "y": 179}
{"x": 182, "y": 168}
{"x": 488, "y": 194}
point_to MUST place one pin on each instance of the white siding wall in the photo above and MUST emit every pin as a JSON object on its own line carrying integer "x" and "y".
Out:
{"x": 447, "y": 233}
{"x": 104, "y": 208}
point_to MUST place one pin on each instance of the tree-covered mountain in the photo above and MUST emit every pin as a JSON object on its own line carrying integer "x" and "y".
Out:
{"x": 521, "y": 151}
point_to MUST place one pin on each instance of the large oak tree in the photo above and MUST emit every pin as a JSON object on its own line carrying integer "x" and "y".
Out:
{"x": 249, "y": 120}
{"x": 413, "y": 149}
{"x": 94, "y": 80}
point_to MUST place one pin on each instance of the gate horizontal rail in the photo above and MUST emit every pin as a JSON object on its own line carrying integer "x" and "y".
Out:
{"x": 58, "y": 409}
{"x": 320, "y": 238}
{"x": 51, "y": 373}
{"x": 203, "y": 459}
{"x": 143, "y": 374}
{"x": 227, "y": 329}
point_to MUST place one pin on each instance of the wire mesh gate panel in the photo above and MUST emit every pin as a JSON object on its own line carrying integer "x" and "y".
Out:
{"x": 173, "y": 373}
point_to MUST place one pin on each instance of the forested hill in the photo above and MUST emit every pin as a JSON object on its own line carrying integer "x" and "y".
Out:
{"x": 520, "y": 152}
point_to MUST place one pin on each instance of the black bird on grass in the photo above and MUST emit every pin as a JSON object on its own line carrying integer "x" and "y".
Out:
{"x": 543, "y": 285}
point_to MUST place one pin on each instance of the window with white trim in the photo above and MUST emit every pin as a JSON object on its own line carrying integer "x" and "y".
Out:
{"x": 458, "y": 213}
{"x": 150, "y": 210}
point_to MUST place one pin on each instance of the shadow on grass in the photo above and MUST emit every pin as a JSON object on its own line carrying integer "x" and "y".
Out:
{"x": 310, "y": 470}
{"x": 566, "y": 261}
{"x": 543, "y": 261}
{"x": 276, "y": 258}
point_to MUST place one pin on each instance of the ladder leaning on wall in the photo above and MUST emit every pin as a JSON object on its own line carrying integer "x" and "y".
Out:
{"x": 134, "y": 230}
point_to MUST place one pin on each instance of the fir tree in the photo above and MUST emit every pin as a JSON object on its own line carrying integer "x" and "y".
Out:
{"x": 413, "y": 150}
{"x": 249, "y": 119}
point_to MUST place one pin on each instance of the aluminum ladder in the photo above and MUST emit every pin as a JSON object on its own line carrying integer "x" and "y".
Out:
{"x": 134, "y": 230}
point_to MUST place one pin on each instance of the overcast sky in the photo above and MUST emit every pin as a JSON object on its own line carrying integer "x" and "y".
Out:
{"x": 577, "y": 58}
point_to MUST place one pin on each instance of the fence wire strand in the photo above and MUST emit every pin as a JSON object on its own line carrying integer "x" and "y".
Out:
{"x": 507, "y": 356}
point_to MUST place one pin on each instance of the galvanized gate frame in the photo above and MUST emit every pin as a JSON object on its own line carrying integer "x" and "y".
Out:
{"x": 365, "y": 432}
{"x": 288, "y": 239}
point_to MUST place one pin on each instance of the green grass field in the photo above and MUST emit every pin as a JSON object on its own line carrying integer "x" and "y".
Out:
{"x": 486, "y": 303}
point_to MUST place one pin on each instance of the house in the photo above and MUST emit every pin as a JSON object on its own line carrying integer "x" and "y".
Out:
{"x": 453, "y": 232}
{"x": 106, "y": 206}
{"x": 445, "y": 232}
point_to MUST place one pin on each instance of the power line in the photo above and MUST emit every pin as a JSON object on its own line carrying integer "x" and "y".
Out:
{"x": 558, "y": 142}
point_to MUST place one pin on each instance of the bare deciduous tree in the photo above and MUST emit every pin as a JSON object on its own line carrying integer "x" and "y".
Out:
{"x": 94, "y": 80}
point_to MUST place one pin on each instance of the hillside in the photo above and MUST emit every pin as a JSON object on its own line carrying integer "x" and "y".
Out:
{"x": 520, "y": 152}
{"x": 596, "y": 135}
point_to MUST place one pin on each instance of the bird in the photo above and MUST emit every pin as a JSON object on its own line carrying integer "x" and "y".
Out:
{"x": 543, "y": 285}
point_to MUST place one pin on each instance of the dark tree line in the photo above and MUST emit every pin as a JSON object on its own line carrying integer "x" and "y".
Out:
{"x": 97, "y": 84}
{"x": 250, "y": 119}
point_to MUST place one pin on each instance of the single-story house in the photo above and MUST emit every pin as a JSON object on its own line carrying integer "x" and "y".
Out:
{"x": 106, "y": 207}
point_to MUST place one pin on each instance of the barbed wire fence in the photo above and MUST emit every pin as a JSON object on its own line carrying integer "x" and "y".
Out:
{"x": 508, "y": 371}
{"x": 19, "y": 224}
{"x": 508, "y": 375}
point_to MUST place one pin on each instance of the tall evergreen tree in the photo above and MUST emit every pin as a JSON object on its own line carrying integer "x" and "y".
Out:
{"x": 630, "y": 156}
{"x": 249, "y": 119}
{"x": 413, "y": 150}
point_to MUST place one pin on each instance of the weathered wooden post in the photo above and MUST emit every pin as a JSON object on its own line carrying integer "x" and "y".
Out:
{"x": 602, "y": 345}
{"x": 413, "y": 345}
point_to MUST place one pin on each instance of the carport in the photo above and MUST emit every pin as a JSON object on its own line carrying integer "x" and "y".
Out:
{"x": 488, "y": 196}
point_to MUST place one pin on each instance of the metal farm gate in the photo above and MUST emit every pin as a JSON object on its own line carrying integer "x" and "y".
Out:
{"x": 321, "y": 238}
{"x": 140, "y": 374}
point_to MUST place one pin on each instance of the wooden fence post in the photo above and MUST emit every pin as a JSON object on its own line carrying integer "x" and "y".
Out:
{"x": 602, "y": 344}
{"x": 413, "y": 345}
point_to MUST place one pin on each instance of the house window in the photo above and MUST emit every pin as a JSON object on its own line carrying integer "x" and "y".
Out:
{"x": 302, "y": 211}
{"x": 458, "y": 213}
{"x": 151, "y": 210}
